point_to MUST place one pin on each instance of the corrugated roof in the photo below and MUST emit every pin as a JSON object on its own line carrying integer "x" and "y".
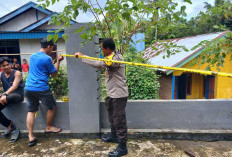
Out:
{"x": 155, "y": 57}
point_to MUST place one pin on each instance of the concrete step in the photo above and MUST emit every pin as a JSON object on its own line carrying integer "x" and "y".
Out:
{"x": 165, "y": 134}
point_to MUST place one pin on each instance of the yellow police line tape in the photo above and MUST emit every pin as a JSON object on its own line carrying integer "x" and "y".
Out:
{"x": 141, "y": 64}
{"x": 157, "y": 66}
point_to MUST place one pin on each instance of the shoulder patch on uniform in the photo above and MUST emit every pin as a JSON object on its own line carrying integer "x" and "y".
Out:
{"x": 110, "y": 57}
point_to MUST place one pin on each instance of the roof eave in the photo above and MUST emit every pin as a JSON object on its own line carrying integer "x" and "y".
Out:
{"x": 23, "y": 9}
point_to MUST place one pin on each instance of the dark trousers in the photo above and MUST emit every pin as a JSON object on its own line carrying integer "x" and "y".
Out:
{"x": 11, "y": 98}
{"x": 117, "y": 117}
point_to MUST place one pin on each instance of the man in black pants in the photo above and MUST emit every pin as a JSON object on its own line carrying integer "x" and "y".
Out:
{"x": 13, "y": 93}
{"x": 117, "y": 92}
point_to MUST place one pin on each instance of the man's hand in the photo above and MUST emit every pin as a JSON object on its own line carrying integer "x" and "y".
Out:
{"x": 3, "y": 99}
{"x": 78, "y": 54}
{"x": 60, "y": 58}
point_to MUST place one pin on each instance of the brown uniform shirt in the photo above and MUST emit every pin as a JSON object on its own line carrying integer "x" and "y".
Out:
{"x": 115, "y": 76}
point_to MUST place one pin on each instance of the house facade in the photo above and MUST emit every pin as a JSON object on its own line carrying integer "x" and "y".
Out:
{"x": 22, "y": 29}
{"x": 182, "y": 85}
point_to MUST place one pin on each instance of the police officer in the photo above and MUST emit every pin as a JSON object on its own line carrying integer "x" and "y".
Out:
{"x": 117, "y": 92}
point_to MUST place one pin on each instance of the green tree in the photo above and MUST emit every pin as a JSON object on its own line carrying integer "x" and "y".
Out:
{"x": 216, "y": 18}
{"x": 121, "y": 18}
{"x": 207, "y": 5}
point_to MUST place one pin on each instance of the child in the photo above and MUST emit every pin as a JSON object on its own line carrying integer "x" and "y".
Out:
{"x": 15, "y": 64}
{"x": 25, "y": 66}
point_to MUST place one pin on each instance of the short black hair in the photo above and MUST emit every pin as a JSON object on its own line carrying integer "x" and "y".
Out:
{"x": 108, "y": 43}
{"x": 3, "y": 59}
{"x": 44, "y": 43}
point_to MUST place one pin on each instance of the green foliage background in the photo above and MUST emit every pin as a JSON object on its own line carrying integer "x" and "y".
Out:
{"x": 216, "y": 18}
{"x": 142, "y": 82}
{"x": 59, "y": 84}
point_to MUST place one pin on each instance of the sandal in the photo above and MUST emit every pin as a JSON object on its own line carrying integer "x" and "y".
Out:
{"x": 33, "y": 142}
{"x": 15, "y": 136}
{"x": 8, "y": 132}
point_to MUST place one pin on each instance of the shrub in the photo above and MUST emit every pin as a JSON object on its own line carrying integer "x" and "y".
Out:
{"x": 142, "y": 82}
{"x": 59, "y": 84}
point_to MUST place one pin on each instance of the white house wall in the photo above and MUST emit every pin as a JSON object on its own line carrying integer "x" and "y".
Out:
{"x": 22, "y": 21}
{"x": 61, "y": 46}
{"x": 40, "y": 14}
{"x": 33, "y": 45}
{"x": 46, "y": 27}
{"x": 28, "y": 46}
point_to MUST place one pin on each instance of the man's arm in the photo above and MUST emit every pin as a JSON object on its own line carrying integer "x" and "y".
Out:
{"x": 95, "y": 63}
{"x": 57, "y": 66}
{"x": 18, "y": 78}
{"x": 53, "y": 70}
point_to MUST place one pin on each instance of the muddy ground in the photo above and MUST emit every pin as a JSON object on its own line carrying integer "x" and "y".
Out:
{"x": 96, "y": 148}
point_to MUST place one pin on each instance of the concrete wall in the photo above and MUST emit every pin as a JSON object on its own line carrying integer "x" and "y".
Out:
{"x": 157, "y": 114}
{"x": 176, "y": 114}
{"x": 18, "y": 113}
{"x": 21, "y": 21}
{"x": 83, "y": 86}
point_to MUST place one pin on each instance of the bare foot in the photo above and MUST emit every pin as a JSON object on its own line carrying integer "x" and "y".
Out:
{"x": 53, "y": 129}
{"x": 31, "y": 138}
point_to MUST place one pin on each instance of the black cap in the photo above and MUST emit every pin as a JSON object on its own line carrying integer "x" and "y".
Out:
{"x": 45, "y": 43}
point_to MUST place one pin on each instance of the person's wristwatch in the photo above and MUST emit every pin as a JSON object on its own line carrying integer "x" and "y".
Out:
{"x": 4, "y": 94}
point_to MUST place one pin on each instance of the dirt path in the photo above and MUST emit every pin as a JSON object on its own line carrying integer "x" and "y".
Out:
{"x": 95, "y": 148}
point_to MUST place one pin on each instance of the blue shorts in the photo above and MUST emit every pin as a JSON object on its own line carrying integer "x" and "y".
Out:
{"x": 33, "y": 98}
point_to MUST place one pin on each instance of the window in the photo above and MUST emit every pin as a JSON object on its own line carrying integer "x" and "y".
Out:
{"x": 10, "y": 47}
{"x": 54, "y": 54}
{"x": 189, "y": 84}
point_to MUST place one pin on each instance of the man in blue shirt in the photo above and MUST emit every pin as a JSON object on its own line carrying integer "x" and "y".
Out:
{"x": 37, "y": 88}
